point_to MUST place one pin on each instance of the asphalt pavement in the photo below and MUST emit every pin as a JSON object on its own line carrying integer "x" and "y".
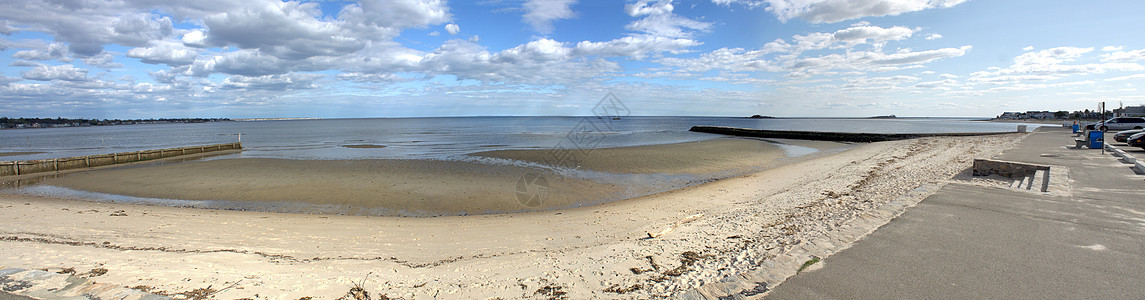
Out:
{"x": 976, "y": 242}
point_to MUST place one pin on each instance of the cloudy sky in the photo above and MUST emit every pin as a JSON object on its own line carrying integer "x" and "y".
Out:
{"x": 409, "y": 58}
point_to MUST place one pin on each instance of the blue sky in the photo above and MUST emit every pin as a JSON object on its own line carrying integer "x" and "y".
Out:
{"x": 414, "y": 58}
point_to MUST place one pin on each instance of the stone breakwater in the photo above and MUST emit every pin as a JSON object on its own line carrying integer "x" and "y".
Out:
{"x": 828, "y": 136}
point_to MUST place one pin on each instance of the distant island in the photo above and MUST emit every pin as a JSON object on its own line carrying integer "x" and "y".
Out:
{"x": 760, "y": 117}
{"x": 22, "y": 123}
{"x": 884, "y": 117}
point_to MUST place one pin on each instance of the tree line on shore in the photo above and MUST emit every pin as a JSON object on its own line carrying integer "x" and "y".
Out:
{"x": 17, "y": 123}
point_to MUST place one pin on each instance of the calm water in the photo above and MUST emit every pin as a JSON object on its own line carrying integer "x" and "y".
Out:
{"x": 427, "y": 138}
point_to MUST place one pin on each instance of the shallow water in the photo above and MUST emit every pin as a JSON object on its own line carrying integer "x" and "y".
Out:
{"x": 433, "y": 138}
{"x": 447, "y": 139}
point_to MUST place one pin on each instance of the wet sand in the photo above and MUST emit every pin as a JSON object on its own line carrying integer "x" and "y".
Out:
{"x": 695, "y": 157}
{"x": 394, "y": 187}
{"x": 771, "y": 220}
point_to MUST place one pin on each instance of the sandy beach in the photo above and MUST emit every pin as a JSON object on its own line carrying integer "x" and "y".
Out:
{"x": 768, "y": 219}
{"x": 397, "y": 187}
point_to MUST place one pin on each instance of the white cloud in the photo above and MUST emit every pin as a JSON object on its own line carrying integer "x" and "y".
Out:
{"x": 288, "y": 30}
{"x": 1027, "y": 48}
{"x": 871, "y": 61}
{"x": 102, "y": 60}
{"x": 398, "y": 14}
{"x": 831, "y": 11}
{"x": 784, "y": 56}
{"x": 5, "y": 29}
{"x": 638, "y": 46}
{"x": 1127, "y": 77}
{"x": 1112, "y": 48}
{"x": 5, "y": 80}
{"x": 453, "y": 29}
{"x": 360, "y": 77}
{"x": 660, "y": 21}
{"x": 1040, "y": 69}
{"x": 540, "y": 14}
{"x": 933, "y": 36}
{"x": 863, "y": 33}
{"x": 61, "y": 72}
{"x": 195, "y": 38}
{"x": 170, "y": 54}
{"x": 52, "y": 51}
{"x": 278, "y": 82}
{"x": 100, "y": 23}
{"x": 1124, "y": 56}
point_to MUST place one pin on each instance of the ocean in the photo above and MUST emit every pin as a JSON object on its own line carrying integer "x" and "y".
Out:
{"x": 429, "y": 138}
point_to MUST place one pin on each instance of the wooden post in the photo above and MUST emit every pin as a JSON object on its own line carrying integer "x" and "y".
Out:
{"x": 114, "y": 158}
{"x": 56, "y": 163}
{"x": 16, "y": 166}
{"x": 87, "y": 161}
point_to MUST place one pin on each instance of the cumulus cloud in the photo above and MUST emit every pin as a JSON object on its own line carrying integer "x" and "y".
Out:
{"x": 452, "y": 29}
{"x": 1124, "y": 56}
{"x": 5, "y": 29}
{"x": 279, "y": 82}
{"x": 1052, "y": 64}
{"x": 360, "y": 77}
{"x": 638, "y": 46}
{"x": 288, "y": 30}
{"x": 51, "y": 52}
{"x": 399, "y": 14}
{"x": 785, "y": 56}
{"x": 659, "y": 20}
{"x": 195, "y": 38}
{"x": 102, "y": 60}
{"x": 832, "y": 11}
{"x": 540, "y": 14}
{"x": 170, "y": 54}
{"x": 5, "y": 80}
{"x": 61, "y": 72}
{"x": 933, "y": 36}
{"x": 102, "y": 22}
{"x": 871, "y": 61}
{"x": 863, "y": 33}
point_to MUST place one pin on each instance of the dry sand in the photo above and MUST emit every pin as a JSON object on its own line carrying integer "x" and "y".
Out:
{"x": 764, "y": 220}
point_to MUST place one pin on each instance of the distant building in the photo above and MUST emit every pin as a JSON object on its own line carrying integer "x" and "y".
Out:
{"x": 1130, "y": 111}
{"x": 1039, "y": 115}
{"x": 1010, "y": 115}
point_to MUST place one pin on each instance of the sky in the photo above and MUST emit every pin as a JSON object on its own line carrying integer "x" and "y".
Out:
{"x": 428, "y": 58}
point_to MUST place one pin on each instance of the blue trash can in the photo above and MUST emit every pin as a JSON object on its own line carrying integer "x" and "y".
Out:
{"x": 1076, "y": 128}
{"x": 1096, "y": 139}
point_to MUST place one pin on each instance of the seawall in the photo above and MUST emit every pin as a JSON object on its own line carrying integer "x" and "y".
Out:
{"x": 827, "y": 136}
{"x": 11, "y": 168}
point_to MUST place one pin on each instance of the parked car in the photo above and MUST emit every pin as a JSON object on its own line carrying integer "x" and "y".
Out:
{"x": 1137, "y": 140}
{"x": 1118, "y": 124}
{"x": 1122, "y": 136}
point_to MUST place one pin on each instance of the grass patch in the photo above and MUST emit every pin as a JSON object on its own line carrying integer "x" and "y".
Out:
{"x": 808, "y": 263}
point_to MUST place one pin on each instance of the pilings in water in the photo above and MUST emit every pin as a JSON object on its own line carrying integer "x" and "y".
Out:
{"x": 9, "y": 168}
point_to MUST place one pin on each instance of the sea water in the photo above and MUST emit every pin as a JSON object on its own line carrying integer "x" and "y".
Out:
{"x": 430, "y": 138}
